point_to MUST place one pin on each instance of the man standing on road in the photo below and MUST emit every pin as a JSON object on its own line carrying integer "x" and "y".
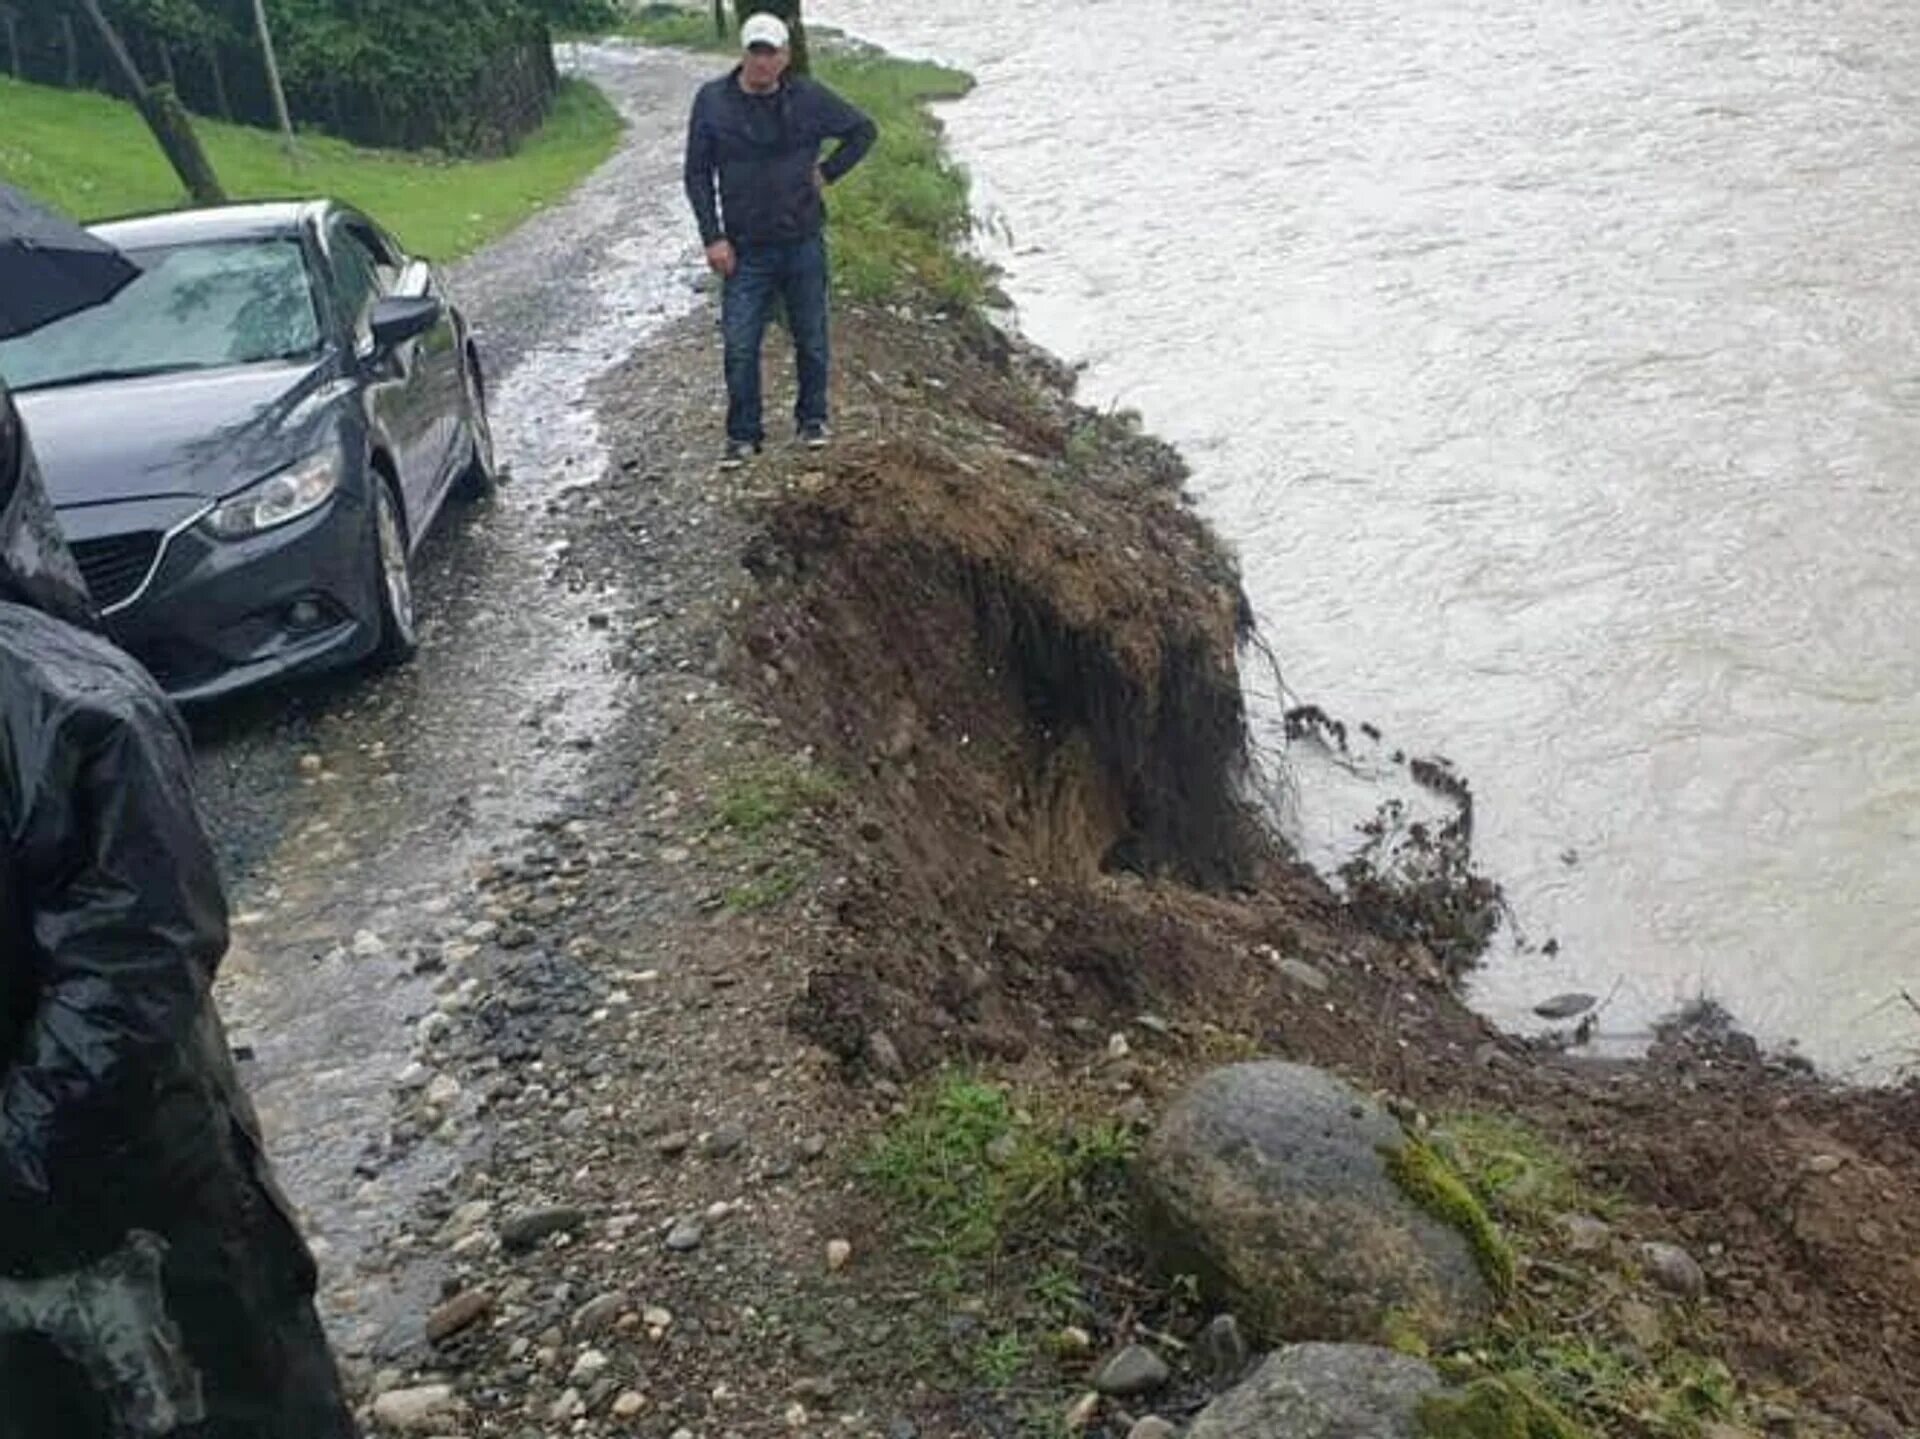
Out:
{"x": 123, "y": 1127}
{"x": 755, "y": 137}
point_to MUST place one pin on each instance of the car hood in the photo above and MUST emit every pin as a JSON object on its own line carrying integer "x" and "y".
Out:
{"x": 197, "y": 435}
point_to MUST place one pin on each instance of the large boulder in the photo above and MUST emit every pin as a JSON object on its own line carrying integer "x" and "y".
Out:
{"x": 1324, "y": 1391}
{"x": 1270, "y": 1184}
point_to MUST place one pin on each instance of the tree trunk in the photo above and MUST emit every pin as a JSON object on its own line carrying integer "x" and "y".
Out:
{"x": 73, "y": 52}
{"x": 164, "y": 114}
{"x": 789, "y": 11}
{"x": 720, "y": 19}
{"x": 168, "y": 75}
{"x": 218, "y": 72}
{"x": 12, "y": 21}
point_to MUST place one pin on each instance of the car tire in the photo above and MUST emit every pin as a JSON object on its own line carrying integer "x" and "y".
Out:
{"x": 477, "y": 480}
{"x": 392, "y": 580}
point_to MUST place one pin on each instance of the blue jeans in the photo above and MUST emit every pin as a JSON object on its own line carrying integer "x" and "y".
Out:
{"x": 797, "y": 273}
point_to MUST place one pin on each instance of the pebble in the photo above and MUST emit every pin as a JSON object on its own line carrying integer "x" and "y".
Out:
{"x": 1222, "y": 1349}
{"x": 726, "y": 1141}
{"x": 443, "y": 1091}
{"x": 629, "y": 1404}
{"x": 672, "y": 1146}
{"x": 569, "y": 1406}
{"x": 1824, "y": 1163}
{"x": 813, "y": 1148}
{"x": 588, "y": 1367}
{"x": 686, "y": 1234}
{"x": 1585, "y": 1234}
{"x": 1117, "y": 1046}
{"x": 1134, "y": 1370}
{"x": 416, "y": 1411}
{"x": 526, "y": 1229}
{"x": 839, "y": 1254}
{"x": 1074, "y": 1340}
{"x": 1566, "y": 1006}
{"x": 597, "y": 1314}
{"x": 1081, "y": 1414}
{"x": 1305, "y": 975}
{"x": 458, "y": 1314}
{"x": 1152, "y": 1427}
{"x": 1673, "y": 1269}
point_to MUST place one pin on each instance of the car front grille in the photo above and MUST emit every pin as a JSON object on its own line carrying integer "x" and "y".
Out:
{"x": 116, "y": 567}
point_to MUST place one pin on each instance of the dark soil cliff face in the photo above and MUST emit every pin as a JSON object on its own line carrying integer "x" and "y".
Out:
{"x": 995, "y": 614}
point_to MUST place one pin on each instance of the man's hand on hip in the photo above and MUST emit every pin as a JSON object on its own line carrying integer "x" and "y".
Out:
{"x": 721, "y": 259}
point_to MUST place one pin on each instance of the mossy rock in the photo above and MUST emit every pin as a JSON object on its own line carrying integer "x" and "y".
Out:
{"x": 1285, "y": 1193}
{"x": 1501, "y": 1408}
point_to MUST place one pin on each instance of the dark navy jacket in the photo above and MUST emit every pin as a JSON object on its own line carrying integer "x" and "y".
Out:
{"x": 759, "y": 153}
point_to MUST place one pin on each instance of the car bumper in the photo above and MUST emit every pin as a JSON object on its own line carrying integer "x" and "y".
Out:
{"x": 220, "y": 616}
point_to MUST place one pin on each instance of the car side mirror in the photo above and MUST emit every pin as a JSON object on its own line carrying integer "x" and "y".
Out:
{"x": 398, "y": 319}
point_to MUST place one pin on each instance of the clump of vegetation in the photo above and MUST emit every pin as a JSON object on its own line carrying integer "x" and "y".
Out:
{"x": 971, "y": 1180}
{"x": 91, "y": 156}
{"x": 1425, "y": 1177}
{"x": 900, "y": 222}
{"x": 1582, "y": 1347}
{"x": 1503, "y": 1408}
{"x": 765, "y": 797}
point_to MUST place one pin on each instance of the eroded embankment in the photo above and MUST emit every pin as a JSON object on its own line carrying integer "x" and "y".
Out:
{"x": 993, "y": 613}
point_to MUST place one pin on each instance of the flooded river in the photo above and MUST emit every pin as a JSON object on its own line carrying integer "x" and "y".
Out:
{"x": 1553, "y": 366}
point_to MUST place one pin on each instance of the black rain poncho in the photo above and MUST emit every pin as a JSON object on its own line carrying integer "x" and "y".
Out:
{"x": 120, "y": 1111}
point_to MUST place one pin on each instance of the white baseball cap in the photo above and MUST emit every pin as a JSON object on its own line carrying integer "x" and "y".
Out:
{"x": 764, "y": 29}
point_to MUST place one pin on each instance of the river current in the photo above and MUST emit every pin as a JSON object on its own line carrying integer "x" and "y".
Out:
{"x": 1552, "y": 365}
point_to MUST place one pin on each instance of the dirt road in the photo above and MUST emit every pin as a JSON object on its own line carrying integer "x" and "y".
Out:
{"x": 349, "y": 812}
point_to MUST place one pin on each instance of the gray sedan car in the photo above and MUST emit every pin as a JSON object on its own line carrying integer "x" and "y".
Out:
{"x": 247, "y": 445}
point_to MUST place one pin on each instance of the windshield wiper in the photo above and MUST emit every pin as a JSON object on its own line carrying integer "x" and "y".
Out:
{"x": 95, "y": 377}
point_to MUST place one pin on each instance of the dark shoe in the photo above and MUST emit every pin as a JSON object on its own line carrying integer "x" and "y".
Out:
{"x": 737, "y": 453}
{"x": 815, "y": 437}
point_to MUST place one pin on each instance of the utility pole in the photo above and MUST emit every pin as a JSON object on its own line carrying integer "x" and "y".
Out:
{"x": 273, "y": 79}
{"x": 11, "y": 19}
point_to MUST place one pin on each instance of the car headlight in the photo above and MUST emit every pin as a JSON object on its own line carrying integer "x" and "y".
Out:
{"x": 295, "y": 491}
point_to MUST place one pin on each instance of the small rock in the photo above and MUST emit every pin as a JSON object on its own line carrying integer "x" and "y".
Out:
{"x": 726, "y": 1141}
{"x": 1641, "y": 1323}
{"x": 672, "y": 1146}
{"x": 839, "y": 1254}
{"x": 1824, "y": 1163}
{"x": 458, "y": 1314}
{"x": 443, "y": 1091}
{"x": 1305, "y": 975}
{"x": 1324, "y": 1391}
{"x": 1082, "y": 1413}
{"x": 629, "y": 1405}
{"x": 813, "y": 1148}
{"x": 657, "y": 1319}
{"x": 1222, "y": 1350}
{"x": 1673, "y": 1269}
{"x": 1152, "y": 1427}
{"x": 1134, "y": 1370}
{"x": 796, "y": 1415}
{"x": 416, "y": 1411}
{"x": 568, "y": 1407}
{"x": 1566, "y": 1006}
{"x": 524, "y": 1230}
{"x": 1118, "y": 1047}
{"x": 1073, "y": 1340}
{"x": 686, "y": 1234}
{"x": 1585, "y": 1234}
{"x": 885, "y": 1055}
{"x": 597, "y": 1315}
{"x": 587, "y": 1368}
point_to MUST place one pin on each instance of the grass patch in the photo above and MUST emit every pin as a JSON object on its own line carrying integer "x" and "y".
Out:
{"x": 91, "y": 156}
{"x": 901, "y": 221}
{"x": 972, "y": 1181}
{"x": 1582, "y": 1347}
{"x": 768, "y": 796}
{"x": 763, "y": 891}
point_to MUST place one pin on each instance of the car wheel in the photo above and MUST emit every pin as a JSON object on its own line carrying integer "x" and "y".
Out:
{"x": 477, "y": 479}
{"x": 393, "y": 580}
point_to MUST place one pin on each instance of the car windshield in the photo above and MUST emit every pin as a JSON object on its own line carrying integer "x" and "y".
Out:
{"x": 193, "y": 307}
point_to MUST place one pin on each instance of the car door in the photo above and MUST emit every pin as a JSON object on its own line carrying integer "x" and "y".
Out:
{"x": 440, "y": 356}
{"x": 399, "y": 386}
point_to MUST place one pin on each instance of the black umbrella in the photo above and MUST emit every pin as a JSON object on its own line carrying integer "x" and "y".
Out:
{"x": 50, "y": 267}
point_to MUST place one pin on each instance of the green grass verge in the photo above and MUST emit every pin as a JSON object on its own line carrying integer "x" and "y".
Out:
{"x": 900, "y": 222}
{"x": 92, "y": 157}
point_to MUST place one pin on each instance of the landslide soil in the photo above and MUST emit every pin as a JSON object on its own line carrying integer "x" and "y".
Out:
{"x": 989, "y": 624}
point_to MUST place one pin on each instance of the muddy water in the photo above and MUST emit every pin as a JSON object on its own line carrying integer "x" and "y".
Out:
{"x": 1553, "y": 365}
{"x": 354, "y": 810}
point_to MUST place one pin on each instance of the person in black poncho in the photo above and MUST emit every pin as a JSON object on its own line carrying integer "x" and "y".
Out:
{"x": 120, "y": 1111}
